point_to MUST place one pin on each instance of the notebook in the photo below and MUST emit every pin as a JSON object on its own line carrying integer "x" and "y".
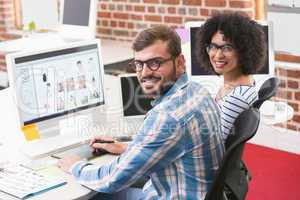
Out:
{"x": 23, "y": 182}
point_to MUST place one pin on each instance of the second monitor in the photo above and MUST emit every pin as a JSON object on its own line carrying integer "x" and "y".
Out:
{"x": 134, "y": 101}
{"x": 78, "y": 19}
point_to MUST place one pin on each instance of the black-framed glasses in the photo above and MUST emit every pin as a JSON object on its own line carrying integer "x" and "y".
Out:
{"x": 153, "y": 64}
{"x": 226, "y": 49}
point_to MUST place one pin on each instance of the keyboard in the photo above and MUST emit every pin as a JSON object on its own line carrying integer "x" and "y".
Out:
{"x": 22, "y": 182}
{"x": 46, "y": 147}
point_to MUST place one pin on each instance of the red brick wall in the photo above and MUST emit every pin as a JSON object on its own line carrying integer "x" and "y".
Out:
{"x": 6, "y": 15}
{"x": 122, "y": 19}
{"x": 289, "y": 91}
{"x": 2, "y": 62}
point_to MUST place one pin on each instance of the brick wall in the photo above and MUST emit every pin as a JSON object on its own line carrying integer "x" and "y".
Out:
{"x": 122, "y": 19}
{"x": 289, "y": 91}
{"x": 6, "y": 15}
{"x": 6, "y": 23}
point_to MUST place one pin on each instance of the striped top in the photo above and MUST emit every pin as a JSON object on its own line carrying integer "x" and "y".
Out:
{"x": 234, "y": 103}
{"x": 179, "y": 146}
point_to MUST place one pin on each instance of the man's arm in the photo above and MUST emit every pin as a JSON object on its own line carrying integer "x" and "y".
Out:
{"x": 157, "y": 145}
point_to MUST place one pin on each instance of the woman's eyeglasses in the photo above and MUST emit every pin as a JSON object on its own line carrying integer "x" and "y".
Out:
{"x": 226, "y": 49}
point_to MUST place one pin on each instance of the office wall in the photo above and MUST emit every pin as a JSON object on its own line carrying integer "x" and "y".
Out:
{"x": 5, "y": 21}
{"x": 289, "y": 91}
{"x": 122, "y": 19}
{"x": 6, "y": 15}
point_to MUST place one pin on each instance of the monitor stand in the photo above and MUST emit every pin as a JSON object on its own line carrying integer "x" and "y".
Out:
{"x": 74, "y": 125}
{"x": 77, "y": 125}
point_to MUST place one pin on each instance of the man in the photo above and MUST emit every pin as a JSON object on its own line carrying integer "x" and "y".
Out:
{"x": 179, "y": 145}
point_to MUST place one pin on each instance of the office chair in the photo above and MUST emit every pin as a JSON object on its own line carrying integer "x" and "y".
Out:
{"x": 231, "y": 182}
{"x": 266, "y": 91}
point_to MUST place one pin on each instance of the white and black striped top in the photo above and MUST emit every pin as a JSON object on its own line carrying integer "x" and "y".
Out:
{"x": 234, "y": 103}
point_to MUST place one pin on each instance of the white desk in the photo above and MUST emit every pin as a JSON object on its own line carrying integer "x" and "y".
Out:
{"x": 276, "y": 112}
{"x": 12, "y": 137}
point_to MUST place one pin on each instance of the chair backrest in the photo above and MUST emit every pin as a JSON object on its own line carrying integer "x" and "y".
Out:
{"x": 267, "y": 90}
{"x": 230, "y": 175}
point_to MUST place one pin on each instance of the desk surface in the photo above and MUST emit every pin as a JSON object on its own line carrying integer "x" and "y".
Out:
{"x": 12, "y": 137}
{"x": 276, "y": 112}
{"x": 71, "y": 190}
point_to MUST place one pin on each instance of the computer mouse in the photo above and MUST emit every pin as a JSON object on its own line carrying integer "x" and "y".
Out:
{"x": 100, "y": 152}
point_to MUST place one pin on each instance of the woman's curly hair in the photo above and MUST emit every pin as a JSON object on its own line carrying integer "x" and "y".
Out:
{"x": 246, "y": 35}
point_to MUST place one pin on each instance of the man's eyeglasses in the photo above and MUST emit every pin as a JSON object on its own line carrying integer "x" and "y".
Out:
{"x": 226, "y": 49}
{"x": 153, "y": 64}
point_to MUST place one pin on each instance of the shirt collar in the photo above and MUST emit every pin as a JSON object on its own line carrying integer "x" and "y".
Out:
{"x": 180, "y": 83}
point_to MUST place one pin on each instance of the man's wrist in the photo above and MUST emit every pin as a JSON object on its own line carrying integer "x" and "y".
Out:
{"x": 76, "y": 167}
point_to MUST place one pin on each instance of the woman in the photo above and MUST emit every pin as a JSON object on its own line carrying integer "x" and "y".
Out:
{"x": 234, "y": 46}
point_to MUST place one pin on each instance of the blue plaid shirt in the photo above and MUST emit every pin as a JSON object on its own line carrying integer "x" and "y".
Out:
{"x": 179, "y": 147}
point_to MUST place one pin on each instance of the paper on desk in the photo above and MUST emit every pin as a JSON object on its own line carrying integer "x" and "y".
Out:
{"x": 51, "y": 171}
{"x": 40, "y": 164}
{"x": 7, "y": 196}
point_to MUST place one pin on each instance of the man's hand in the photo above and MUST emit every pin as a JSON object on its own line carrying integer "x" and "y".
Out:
{"x": 107, "y": 143}
{"x": 67, "y": 162}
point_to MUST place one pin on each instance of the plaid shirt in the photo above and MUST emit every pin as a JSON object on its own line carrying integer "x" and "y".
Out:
{"x": 179, "y": 147}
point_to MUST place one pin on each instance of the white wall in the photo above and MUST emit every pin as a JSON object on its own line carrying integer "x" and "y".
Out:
{"x": 43, "y": 12}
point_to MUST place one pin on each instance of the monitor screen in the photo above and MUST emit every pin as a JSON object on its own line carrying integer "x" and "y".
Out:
{"x": 134, "y": 101}
{"x": 52, "y": 83}
{"x": 76, "y": 12}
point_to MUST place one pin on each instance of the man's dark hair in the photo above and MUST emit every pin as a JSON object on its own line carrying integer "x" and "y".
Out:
{"x": 149, "y": 36}
{"x": 246, "y": 35}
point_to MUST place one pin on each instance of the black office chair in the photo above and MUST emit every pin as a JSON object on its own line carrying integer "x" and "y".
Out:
{"x": 267, "y": 90}
{"x": 231, "y": 182}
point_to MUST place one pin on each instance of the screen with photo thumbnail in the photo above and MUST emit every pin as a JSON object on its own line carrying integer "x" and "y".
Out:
{"x": 54, "y": 83}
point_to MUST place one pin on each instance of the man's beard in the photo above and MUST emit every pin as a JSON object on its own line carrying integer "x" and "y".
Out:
{"x": 163, "y": 89}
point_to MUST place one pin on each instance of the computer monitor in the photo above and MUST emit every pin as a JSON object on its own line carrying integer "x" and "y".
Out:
{"x": 55, "y": 84}
{"x": 207, "y": 78}
{"x": 78, "y": 18}
{"x": 134, "y": 102}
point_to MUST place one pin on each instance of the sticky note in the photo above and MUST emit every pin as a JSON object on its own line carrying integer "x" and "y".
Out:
{"x": 31, "y": 132}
